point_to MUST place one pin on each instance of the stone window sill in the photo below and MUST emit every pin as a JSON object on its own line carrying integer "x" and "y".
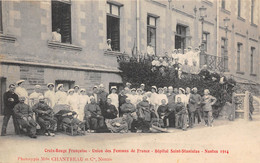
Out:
{"x": 225, "y": 11}
{"x": 58, "y": 45}
{"x": 240, "y": 18}
{"x": 7, "y": 38}
{"x": 240, "y": 72}
{"x": 113, "y": 53}
{"x": 252, "y": 74}
{"x": 208, "y": 2}
{"x": 254, "y": 25}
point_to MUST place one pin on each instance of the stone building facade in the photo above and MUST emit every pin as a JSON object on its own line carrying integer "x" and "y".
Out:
{"x": 28, "y": 52}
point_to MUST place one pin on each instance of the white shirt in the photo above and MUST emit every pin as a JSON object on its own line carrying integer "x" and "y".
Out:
{"x": 160, "y": 97}
{"x": 61, "y": 97}
{"x": 56, "y": 36}
{"x": 150, "y": 50}
{"x": 50, "y": 96}
{"x": 22, "y": 92}
{"x": 34, "y": 98}
{"x": 153, "y": 99}
{"x": 114, "y": 99}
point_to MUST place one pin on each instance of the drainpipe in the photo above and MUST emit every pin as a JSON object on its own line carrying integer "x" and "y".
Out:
{"x": 137, "y": 26}
{"x": 217, "y": 39}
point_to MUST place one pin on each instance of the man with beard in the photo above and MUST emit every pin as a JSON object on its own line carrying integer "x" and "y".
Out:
{"x": 24, "y": 117}
{"x": 10, "y": 100}
{"x": 171, "y": 104}
{"x": 45, "y": 117}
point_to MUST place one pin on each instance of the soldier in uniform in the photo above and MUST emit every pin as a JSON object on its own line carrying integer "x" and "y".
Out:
{"x": 129, "y": 110}
{"x": 102, "y": 96}
{"x": 24, "y": 116}
{"x": 45, "y": 117}
{"x": 93, "y": 116}
{"x": 10, "y": 100}
{"x": 194, "y": 102}
{"x": 181, "y": 114}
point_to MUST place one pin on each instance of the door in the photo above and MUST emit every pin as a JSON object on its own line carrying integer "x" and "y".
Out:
{"x": 2, "y": 90}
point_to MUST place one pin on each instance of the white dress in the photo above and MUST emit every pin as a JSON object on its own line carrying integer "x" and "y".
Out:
{"x": 22, "y": 92}
{"x": 61, "y": 98}
{"x": 73, "y": 102}
{"x": 83, "y": 100}
{"x": 50, "y": 98}
{"x": 114, "y": 99}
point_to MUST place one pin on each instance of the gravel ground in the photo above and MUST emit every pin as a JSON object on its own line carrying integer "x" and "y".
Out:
{"x": 236, "y": 141}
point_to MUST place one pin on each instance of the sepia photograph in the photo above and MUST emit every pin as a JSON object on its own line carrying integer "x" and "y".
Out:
{"x": 130, "y": 81}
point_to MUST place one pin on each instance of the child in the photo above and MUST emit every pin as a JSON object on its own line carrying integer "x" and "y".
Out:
{"x": 208, "y": 101}
{"x": 163, "y": 111}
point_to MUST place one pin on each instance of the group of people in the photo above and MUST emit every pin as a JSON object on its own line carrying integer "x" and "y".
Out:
{"x": 186, "y": 61}
{"x": 130, "y": 110}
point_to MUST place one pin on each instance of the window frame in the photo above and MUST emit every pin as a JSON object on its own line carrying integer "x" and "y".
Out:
{"x": 225, "y": 54}
{"x": 182, "y": 36}
{"x": 110, "y": 14}
{"x": 223, "y": 4}
{"x": 239, "y": 49}
{"x": 239, "y": 8}
{"x": 252, "y": 11}
{"x": 252, "y": 59}
{"x": 67, "y": 2}
{"x": 1, "y": 17}
{"x": 154, "y": 27}
{"x": 205, "y": 42}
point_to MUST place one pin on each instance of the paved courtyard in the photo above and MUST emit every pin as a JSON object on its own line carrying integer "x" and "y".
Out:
{"x": 236, "y": 141}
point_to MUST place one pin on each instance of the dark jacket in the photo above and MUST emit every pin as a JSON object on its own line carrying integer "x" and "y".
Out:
{"x": 110, "y": 111}
{"x": 8, "y": 104}
{"x": 42, "y": 110}
{"x": 22, "y": 110}
{"x": 92, "y": 110}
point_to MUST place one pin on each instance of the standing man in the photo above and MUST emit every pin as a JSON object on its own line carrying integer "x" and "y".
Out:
{"x": 24, "y": 116}
{"x": 10, "y": 100}
{"x": 50, "y": 95}
{"x": 208, "y": 101}
{"x": 171, "y": 106}
{"x": 95, "y": 93}
{"x": 194, "y": 107}
{"x": 102, "y": 96}
{"x": 21, "y": 91}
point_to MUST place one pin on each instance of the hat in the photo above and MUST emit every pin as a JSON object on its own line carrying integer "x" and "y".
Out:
{"x": 174, "y": 50}
{"x": 170, "y": 87}
{"x": 195, "y": 88}
{"x": 154, "y": 87}
{"x": 139, "y": 89}
{"x": 37, "y": 86}
{"x": 76, "y": 86}
{"x": 70, "y": 90}
{"x": 95, "y": 87}
{"x": 19, "y": 81}
{"x": 189, "y": 47}
{"x": 49, "y": 84}
{"x": 183, "y": 91}
{"x": 197, "y": 48}
{"x": 113, "y": 87}
{"x": 59, "y": 85}
{"x": 82, "y": 89}
{"x": 101, "y": 86}
{"x": 206, "y": 90}
{"x": 127, "y": 83}
{"x": 133, "y": 89}
{"x": 179, "y": 49}
{"x": 109, "y": 39}
{"x": 91, "y": 97}
{"x": 142, "y": 84}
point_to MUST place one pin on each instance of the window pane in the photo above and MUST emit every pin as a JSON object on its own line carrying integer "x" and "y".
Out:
{"x": 1, "y": 25}
{"x": 115, "y": 10}
{"x": 152, "y": 21}
{"x": 108, "y": 8}
{"x": 113, "y": 32}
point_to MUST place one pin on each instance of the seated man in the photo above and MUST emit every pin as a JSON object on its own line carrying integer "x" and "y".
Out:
{"x": 181, "y": 115}
{"x": 110, "y": 111}
{"x": 45, "y": 117}
{"x": 118, "y": 125}
{"x": 129, "y": 110}
{"x": 163, "y": 112}
{"x": 66, "y": 116}
{"x": 93, "y": 116}
{"x": 24, "y": 116}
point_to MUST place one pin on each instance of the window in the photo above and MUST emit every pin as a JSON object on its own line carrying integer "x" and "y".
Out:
{"x": 224, "y": 53}
{"x": 61, "y": 18}
{"x": 252, "y": 60}
{"x": 239, "y": 8}
{"x": 1, "y": 23}
{"x": 223, "y": 4}
{"x": 151, "y": 31}
{"x": 67, "y": 84}
{"x": 205, "y": 41}
{"x": 239, "y": 49}
{"x": 252, "y": 11}
{"x": 113, "y": 26}
{"x": 180, "y": 37}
